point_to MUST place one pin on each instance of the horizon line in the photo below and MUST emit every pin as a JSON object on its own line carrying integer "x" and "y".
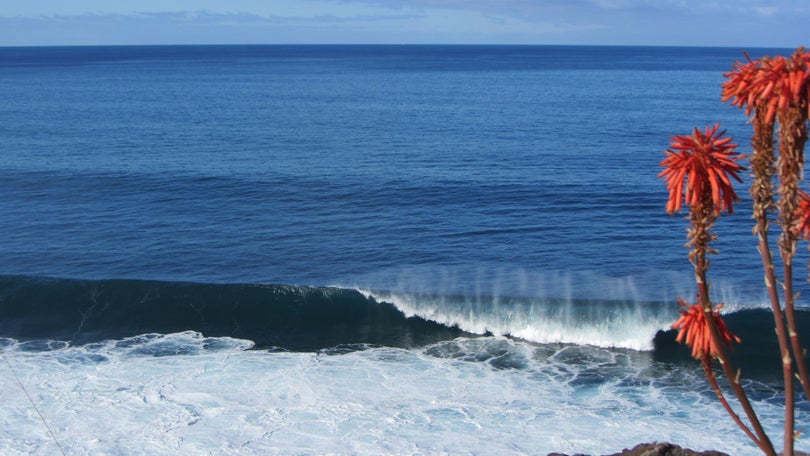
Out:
{"x": 395, "y": 45}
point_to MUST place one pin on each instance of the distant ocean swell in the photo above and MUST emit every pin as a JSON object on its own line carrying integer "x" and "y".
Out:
{"x": 312, "y": 318}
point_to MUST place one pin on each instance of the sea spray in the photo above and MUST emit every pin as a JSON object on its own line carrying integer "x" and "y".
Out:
{"x": 582, "y": 307}
{"x": 588, "y": 322}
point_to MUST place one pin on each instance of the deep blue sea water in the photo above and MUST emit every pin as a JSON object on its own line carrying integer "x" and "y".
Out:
{"x": 298, "y": 249}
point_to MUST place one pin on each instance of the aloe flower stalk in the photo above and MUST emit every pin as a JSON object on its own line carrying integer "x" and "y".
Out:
{"x": 694, "y": 329}
{"x": 698, "y": 170}
{"x": 792, "y": 111}
{"x": 777, "y": 89}
{"x": 774, "y": 92}
{"x": 748, "y": 86}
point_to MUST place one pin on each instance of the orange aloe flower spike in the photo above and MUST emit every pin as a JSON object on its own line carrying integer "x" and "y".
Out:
{"x": 774, "y": 83}
{"x": 693, "y": 328}
{"x": 737, "y": 89}
{"x": 769, "y": 83}
{"x": 702, "y": 163}
{"x": 803, "y": 215}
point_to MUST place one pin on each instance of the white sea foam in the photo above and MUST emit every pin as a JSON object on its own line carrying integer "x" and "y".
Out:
{"x": 479, "y": 396}
{"x": 604, "y": 323}
{"x": 581, "y": 307}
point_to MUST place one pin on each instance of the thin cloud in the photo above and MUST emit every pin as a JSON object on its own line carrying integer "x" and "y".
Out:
{"x": 766, "y": 11}
{"x": 199, "y": 27}
{"x": 210, "y": 18}
{"x": 634, "y": 22}
{"x": 539, "y": 7}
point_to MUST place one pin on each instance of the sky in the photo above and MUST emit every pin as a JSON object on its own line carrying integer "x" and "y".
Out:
{"x": 735, "y": 23}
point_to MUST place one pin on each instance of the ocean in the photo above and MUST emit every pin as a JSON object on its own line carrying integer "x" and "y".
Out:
{"x": 293, "y": 250}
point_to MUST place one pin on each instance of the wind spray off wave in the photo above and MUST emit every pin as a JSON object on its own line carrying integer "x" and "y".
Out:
{"x": 622, "y": 324}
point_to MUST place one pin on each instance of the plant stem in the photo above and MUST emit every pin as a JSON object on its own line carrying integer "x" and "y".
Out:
{"x": 762, "y": 194}
{"x": 798, "y": 351}
{"x": 787, "y": 365}
{"x": 762, "y": 441}
{"x": 781, "y": 335}
{"x": 792, "y": 139}
{"x": 722, "y": 398}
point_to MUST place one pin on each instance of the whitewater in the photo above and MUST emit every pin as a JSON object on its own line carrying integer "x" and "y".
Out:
{"x": 310, "y": 386}
{"x": 183, "y": 393}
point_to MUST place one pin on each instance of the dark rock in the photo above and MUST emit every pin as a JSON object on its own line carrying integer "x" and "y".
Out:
{"x": 665, "y": 449}
{"x": 656, "y": 449}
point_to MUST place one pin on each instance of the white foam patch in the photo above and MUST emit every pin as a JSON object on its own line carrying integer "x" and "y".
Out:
{"x": 483, "y": 396}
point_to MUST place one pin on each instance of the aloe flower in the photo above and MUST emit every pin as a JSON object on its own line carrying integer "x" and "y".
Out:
{"x": 738, "y": 88}
{"x": 783, "y": 81}
{"x": 770, "y": 83}
{"x": 693, "y": 328}
{"x": 803, "y": 214}
{"x": 702, "y": 164}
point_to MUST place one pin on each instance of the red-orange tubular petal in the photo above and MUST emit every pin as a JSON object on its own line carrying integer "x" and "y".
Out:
{"x": 803, "y": 213}
{"x": 769, "y": 84}
{"x": 693, "y": 328}
{"x": 702, "y": 162}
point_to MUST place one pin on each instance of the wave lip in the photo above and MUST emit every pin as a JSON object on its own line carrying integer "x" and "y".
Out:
{"x": 603, "y": 323}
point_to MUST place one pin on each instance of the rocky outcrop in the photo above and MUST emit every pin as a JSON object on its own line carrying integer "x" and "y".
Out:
{"x": 656, "y": 449}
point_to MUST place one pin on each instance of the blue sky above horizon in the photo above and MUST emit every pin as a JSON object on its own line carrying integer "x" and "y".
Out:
{"x": 743, "y": 23}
